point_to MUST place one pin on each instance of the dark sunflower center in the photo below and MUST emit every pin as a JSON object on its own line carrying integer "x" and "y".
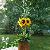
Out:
{"x": 27, "y": 21}
{"x": 23, "y": 21}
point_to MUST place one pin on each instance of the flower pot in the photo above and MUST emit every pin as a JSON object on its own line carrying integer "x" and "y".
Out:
{"x": 23, "y": 46}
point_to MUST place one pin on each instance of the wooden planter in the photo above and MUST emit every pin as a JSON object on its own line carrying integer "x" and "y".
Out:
{"x": 23, "y": 46}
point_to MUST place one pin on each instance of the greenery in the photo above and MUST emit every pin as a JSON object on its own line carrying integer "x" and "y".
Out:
{"x": 39, "y": 13}
{"x": 37, "y": 10}
{"x": 36, "y": 42}
{"x": 24, "y": 23}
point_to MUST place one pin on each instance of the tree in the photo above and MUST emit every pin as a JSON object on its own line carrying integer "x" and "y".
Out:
{"x": 34, "y": 9}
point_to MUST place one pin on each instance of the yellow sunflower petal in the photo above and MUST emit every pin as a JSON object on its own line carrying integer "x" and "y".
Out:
{"x": 20, "y": 25}
{"x": 19, "y": 19}
{"x": 28, "y": 21}
{"x": 18, "y": 22}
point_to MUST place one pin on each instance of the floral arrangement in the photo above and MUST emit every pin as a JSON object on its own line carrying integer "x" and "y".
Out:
{"x": 24, "y": 23}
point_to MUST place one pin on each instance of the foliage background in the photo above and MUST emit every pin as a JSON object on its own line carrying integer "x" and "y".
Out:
{"x": 37, "y": 10}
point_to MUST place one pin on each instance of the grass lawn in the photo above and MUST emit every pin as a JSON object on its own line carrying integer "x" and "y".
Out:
{"x": 36, "y": 42}
{"x": 40, "y": 43}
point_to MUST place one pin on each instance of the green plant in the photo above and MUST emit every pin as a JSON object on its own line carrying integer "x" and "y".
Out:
{"x": 24, "y": 23}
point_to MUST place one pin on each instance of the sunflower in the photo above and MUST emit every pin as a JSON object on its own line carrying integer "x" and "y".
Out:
{"x": 22, "y": 21}
{"x": 28, "y": 21}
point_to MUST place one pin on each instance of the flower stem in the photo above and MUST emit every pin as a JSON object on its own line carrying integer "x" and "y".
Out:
{"x": 24, "y": 32}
